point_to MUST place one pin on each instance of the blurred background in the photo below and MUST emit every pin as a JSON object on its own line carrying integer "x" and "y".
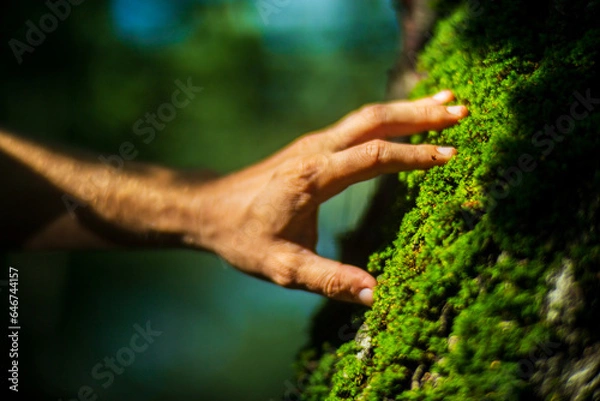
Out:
{"x": 270, "y": 71}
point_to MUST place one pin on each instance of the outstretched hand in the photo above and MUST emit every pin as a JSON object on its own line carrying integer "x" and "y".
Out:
{"x": 263, "y": 219}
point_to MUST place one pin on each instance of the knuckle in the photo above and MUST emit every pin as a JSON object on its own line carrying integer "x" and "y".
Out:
{"x": 298, "y": 180}
{"x": 375, "y": 114}
{"x": 309, "y": 167}
{"x": 375, "y": 152}
{"x": 281, "y": 266}
{"x": 423, "y": 113}
{"x": 284, "y": 278}
{"x": 305, "y": 174}
{"x": 285, "y": 274}
{"x": 427, "y": 113}
{"x": 332, "y": 285}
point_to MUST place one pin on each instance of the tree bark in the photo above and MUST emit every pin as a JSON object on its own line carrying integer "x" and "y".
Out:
{"x": 490, "y": 288}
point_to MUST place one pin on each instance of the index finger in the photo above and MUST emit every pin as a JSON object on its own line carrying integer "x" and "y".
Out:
{"x": 370, "y": 159}
{"x": 385, "y": 120}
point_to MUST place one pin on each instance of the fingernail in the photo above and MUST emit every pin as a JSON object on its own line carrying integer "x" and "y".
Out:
{"x": 366, "y": 296}
{"x": 446, "y": 150}
{"x": 457, "y": 110}
{"x": 442, "y": 96}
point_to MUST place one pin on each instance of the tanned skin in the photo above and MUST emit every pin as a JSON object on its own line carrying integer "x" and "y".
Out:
{"x": 262, "y": 219}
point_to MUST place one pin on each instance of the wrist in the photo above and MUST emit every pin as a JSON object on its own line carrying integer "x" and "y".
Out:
{"x": 150, "y": 206}
{"x": 189, "y": 210}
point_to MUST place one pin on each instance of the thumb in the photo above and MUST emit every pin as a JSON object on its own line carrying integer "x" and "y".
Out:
{"x": 335, "y": 280}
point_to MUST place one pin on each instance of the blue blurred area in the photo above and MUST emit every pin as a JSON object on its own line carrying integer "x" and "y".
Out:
{"x": 151, "y": 22}
{"x": 326, "y": 26}
{"x": 312, "y": 26}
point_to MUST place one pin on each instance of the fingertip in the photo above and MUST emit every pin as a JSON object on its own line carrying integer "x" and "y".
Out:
{"x": 460, "y": 111}
{"x": 443, "y": 96}
{"x": 447, "y": 151}
{"x": 360, "y": 286}
{"x": 365, "y": 296}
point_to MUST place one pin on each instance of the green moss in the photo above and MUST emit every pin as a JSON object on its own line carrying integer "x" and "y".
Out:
{"x": 462, "y": 289}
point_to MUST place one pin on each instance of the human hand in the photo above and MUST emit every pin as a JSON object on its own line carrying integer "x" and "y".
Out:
{"x": 263, "y": 219}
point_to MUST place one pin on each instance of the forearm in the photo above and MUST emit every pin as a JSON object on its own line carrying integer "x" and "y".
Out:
{"x": 88, "y": 204}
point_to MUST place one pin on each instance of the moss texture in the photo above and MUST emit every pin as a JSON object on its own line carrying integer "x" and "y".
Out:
{"x": 491, "y": 290}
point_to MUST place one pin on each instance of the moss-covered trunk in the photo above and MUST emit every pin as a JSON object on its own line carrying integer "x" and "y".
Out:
{"x": 491, "y": 287}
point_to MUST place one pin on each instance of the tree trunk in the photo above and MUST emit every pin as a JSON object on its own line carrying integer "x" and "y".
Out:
{"x": 488, "y": 267}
